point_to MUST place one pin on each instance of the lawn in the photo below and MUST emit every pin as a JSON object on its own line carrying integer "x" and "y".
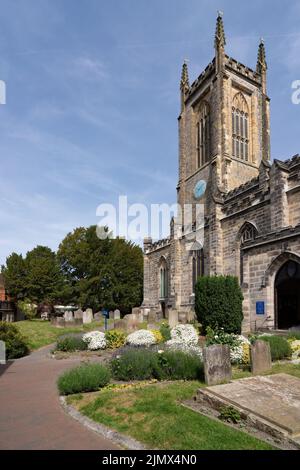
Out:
{"x": 153, "y": 415}
{"x": 40, "y": 333}
{"x": 277, "y": 368}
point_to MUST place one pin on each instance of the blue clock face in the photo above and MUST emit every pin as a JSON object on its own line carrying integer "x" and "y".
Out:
{"x": 199, "y": 189}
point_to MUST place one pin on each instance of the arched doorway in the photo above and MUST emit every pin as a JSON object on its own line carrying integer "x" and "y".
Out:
{"x": 287, "y": 295}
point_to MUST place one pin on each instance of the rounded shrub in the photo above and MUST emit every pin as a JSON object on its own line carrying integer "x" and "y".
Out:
{"x": 71, "y": 344}
{"x": 115, "y": 338}
{"x": 84, "y": 378}
{"x": 280, "y": 347}
{"x": 218, "y": 303}
{"x": 15, "y": 343}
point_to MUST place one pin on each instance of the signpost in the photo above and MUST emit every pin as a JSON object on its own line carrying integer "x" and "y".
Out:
{"x": 105, "y": 313}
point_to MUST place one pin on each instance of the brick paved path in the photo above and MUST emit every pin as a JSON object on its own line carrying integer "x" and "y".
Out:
{"x": 30, "y": 413}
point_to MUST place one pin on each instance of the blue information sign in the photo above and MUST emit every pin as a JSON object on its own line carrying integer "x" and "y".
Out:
{"x": 260, "y": 308}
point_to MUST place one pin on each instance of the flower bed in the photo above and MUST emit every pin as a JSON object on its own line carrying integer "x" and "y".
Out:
{"x": 141, "y": 338}
{"x": 95, "y": 340}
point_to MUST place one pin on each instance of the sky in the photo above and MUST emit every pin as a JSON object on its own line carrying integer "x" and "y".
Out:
{"x": 92, "y": 100}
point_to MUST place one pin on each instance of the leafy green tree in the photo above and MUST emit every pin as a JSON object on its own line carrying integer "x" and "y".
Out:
{"x": 44, "y": 278}
{"x": 15, "y": 276}
{"x": 102, "y": 272}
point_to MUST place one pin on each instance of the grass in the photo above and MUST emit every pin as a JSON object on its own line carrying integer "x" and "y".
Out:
{"x": 40, "y": 333}
{"x": 153, "y": 415}
{"x": 277, "y": 368}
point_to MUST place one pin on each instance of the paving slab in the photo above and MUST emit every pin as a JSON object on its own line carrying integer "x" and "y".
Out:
{"x": 275, "y": 399}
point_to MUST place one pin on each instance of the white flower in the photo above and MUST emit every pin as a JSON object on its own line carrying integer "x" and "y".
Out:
{"x": 185, "y": 334}
{"x": 141, "y": 338}
{"x": 95, "y": 340}
{"x": 187, "y": 348}
{"x": 161, "y": 351}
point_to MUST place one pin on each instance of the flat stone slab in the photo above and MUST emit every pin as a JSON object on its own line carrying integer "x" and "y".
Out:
{"x": 273, "y": 398}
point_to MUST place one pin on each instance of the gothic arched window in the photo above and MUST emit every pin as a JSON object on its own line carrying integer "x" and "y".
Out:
{"x": 240, "y": 128}
{"x": 197, "y": 266}
{"x": 163, "y": 279}
{"x": 248, "y": 232}
{"x": 203, "y": 136}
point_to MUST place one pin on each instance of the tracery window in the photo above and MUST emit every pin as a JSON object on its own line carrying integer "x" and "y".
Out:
{"x": 163, "y": 273}
{"x": 240, "y": 128}
{"x": 197, "y": 266}
{"x": 203, "y": 136}
{"x": 248, "y": 233}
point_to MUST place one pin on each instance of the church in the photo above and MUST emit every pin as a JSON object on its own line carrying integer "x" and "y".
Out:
{"x": 249, "y": 225}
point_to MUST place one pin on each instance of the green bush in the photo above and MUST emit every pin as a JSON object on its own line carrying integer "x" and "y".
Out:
{"x": 84, "y": 378}
{"x": 28, "y": 308}
{"x": 165, "y": 331}
{"x": 145, "y": 364}
{"x": 15, "y": 343}
{"x": 280, "y": 347}
{"x": 71, "y": 344}
{"x": 218, "y": 303}
{"x": 115, "y": 338}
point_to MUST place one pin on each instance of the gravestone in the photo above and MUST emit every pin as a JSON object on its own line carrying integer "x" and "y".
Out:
{"x": 58, "y": 322}
{"x": 78, "y": 321}
{"x": 117, "y": 314}
{"x": 68, "y": 316}
{"x": 173, "y": 318}
{"x": 111, "y": 315}
{"x": 152, "y": 317}
{"x": 261, "y": 360}
{"x": 182, "y": 317}
{"x": 120, "y": 324}
{"x": 137, "y": 318}
{"x": 136, "y": 310}
{"x": 87, "y": 316}
{"x": 2, "y": 353}
{"x": 217, "y": 365}
{"x": 98, "y": 316}
{"x": 78, "y": 314}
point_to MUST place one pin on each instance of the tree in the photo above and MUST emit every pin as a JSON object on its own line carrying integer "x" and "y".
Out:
{"x": 15, "y": 276}
{"x": 44, "y": 278}
{"x": 103, "y": 272}
{"x": 218, "y": 303}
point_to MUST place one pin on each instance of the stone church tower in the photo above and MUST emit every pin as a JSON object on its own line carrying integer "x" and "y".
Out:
{"x": 229, "y": 195}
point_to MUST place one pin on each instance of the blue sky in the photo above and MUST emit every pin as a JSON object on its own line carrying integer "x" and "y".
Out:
{"x": 93, "y": 99}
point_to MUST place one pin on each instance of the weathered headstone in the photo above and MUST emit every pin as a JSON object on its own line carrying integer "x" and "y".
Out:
{"x": 217, "y": 365}
{"x": 2, "y": 353}
{"x": 136, "y": 310}
{"x": 59, "y": 322}
{"x": 87, "y": 316}
{"x": 68, "y": 316}
{"x": 173, "y": 318}
{"x": 120, "y": 324}
{"x": 78, "y": 321}
{"x": 151, "y": 326}
{"x": 78, "y": 314}
{"x": 152, "y": 317}
{"x": 117, "y": 314}
{"x": 261, "y": 360}
{"x": 111, "y": 315}
{"x": 98, "y": 316}
{"x": 159, "y": 315}
{"x": 182, "y": 317}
